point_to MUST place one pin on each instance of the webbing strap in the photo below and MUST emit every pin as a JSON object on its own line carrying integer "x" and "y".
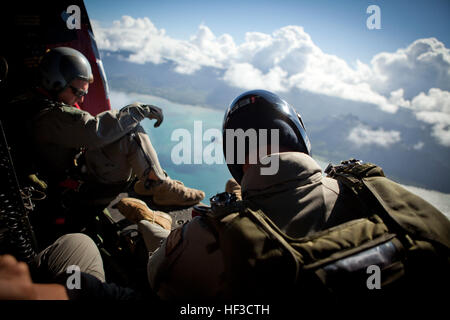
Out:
{"x": 352, "y": 174}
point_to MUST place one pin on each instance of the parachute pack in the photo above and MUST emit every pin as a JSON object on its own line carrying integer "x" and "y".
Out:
{"x": 399, "y": 246}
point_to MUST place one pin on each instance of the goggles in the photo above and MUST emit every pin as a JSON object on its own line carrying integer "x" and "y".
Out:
{"x": 78, "y": 92}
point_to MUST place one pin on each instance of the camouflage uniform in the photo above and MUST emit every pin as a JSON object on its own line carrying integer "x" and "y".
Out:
{"x": 115, "y": 144}
{"x": 298, "y": 199}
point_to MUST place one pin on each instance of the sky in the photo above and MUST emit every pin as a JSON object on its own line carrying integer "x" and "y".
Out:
{"x": 323, "y": 47}
{"x": 337, "y": 27}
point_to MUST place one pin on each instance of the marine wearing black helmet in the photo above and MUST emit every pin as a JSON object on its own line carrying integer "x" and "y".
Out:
{"x": 60, "y": 66}
{"x": 297, "y": 198}
{"x": 261, "y": 109}
{"x": 238, "y": 250}
{"x": 116, "y": 149}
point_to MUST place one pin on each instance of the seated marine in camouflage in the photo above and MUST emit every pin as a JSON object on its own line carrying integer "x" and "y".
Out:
{"x": 115, "y": 148}
{"x": 293, "y": 233}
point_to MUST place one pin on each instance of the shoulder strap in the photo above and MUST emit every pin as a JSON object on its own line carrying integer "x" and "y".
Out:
{"x": 351, "y": 173}
{"x": 403, "y": 211}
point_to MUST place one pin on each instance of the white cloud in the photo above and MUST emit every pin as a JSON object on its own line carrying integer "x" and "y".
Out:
{"x": 279, "y": 61}
{"x": 149, "y": 44}
{"x": 436, "y": 100}
{"x": 397, "y": 99}
{"x": 363, "y": 135}
{"x": 290, "y": 54}
{"x": 419, "y": 145}
{"x": 246, "y": 76}
{"x": 434, "y": 108}
{"x": 423, "y": 65}
{"x": 288, "y": 58}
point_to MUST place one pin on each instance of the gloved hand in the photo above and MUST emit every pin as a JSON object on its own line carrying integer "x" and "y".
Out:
{"x": 154, "y": 112}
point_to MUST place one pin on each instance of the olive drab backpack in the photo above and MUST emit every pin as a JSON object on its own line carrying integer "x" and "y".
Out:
{"x": 400, "y": 246}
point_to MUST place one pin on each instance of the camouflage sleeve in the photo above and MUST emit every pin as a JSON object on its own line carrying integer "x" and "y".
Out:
{"x": 188, "y": 264}
{"x": 75, "y": 128}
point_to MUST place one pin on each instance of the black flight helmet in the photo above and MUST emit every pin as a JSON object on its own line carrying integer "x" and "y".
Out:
{"x": 261, "y": 109}
{"x": 60, "y": 66}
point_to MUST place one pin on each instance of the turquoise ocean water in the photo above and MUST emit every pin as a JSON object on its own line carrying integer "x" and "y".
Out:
{"x": 210, "y": 178}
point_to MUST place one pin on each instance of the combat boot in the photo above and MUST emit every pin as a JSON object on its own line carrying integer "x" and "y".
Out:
{"x": 136, "y": 210}
{"x": 233, "y": 187}
{"x": 169, "y": 192}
